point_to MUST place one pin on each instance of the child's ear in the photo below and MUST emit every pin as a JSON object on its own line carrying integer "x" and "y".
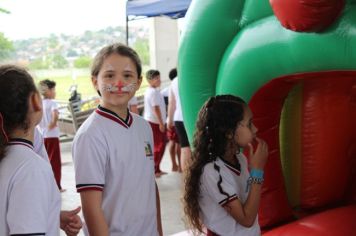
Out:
{"x": 139, "y": 82}
{"x": 94, "y": 81}
{"x": 36, "y": 101}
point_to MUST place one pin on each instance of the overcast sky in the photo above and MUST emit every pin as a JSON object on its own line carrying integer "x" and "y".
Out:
{"x": 35, "y": 18}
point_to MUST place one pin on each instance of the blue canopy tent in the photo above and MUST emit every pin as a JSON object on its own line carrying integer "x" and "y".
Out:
{"x": 150, "y": 8}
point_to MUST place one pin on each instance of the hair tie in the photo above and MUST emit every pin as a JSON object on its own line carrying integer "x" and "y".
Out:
{"x": 2, "y": 128}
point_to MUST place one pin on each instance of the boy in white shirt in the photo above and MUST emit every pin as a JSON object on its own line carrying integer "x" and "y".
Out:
{"x": 155, "y": 113}
{"x": 49, "y": 127}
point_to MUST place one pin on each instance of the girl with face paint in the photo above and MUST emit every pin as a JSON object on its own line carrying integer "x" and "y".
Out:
{"x": 113, "y": 153}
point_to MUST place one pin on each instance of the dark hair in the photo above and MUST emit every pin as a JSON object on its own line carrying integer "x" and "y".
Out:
{"x": 16, "y": 86}
{"x": 46, "y": 84}
{"x": 172, "y": 73}
{"x": 218, "y": 117}
{"x": 150, "y": 74}
{"x": 120, "y": 49}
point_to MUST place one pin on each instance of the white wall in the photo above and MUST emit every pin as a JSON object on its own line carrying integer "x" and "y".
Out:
{"x": 164, "y": 41}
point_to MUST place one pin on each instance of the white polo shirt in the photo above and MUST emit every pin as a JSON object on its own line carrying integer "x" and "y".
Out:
{"x": 115, "y": 156}
{"x": 154, "y": 98}
{"x": 38, "y": 144}
{"x": 29, "y": 198}
{"x": 178, "y": 115}
{"x": 49, "y": 106}
{"x": 234, "y": 182}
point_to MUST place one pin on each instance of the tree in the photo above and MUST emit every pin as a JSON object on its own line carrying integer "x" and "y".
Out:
{"x": 59, "y": 62}
{"x": 53, "y": 41}
{"x": 72, "y": 53}
{"x": 6, "y": 47}
{"x": 141, "y": 46}
{"x": 2, "y": 10}
{"x": 82, "y": 62}
{"x": 38, "y": 64}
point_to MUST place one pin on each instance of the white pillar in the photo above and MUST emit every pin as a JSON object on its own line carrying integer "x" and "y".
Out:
{"x": 164, "y": 37}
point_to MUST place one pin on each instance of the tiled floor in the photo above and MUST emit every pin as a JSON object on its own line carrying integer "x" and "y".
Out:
{"x": 169, "y": 187}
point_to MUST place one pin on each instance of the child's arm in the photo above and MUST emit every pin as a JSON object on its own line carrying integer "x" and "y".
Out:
{"x": 245, "y": 214}
{"x": 93, "y": 214}
{"x": 53, "y": 123}
{"x": 171, "y": 109}
{"x": 158, "y": 114}
{"x": 158, "y": 205}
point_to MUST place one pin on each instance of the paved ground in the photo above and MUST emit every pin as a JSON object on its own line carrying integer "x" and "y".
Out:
{"x": 169, "y": 187}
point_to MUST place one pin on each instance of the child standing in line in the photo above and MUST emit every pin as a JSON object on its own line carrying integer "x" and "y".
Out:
{"x": 172, "y": 135}
{"x": 175, "y": 121}
{"x": 49, "y": 128}
{"x": 70, "y": 222}
{"x": 220, "y": 192}
{"x": 112, "y": 153}
{"x": 29, "y": 197}
{"x": 155, "y": 113}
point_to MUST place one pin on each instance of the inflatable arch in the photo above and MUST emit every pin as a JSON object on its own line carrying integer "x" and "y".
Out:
{"x": 294, "y": 61}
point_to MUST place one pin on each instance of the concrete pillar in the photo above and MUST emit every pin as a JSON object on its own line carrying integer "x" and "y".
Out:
{"x": 164, "y": 40}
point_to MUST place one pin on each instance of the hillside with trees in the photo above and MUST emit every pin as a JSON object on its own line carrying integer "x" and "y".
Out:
{"x": 70, "y": 51}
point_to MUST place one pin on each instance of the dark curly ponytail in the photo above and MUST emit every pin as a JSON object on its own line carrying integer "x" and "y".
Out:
{"x": 218, "y": 116}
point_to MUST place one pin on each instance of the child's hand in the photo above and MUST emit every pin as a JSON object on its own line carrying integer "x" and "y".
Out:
{"x": 162, "y": 128}
{"x": 52, "y": 125}
{"x": 71, "y": 222}
{"x": 258, "y": 158}
{"x": 170, "y": 125}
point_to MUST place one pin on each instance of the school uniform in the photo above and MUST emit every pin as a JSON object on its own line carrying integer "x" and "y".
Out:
{"x": 115, "y": 156}
{"x": 234, "y": 183}
{"x": 29, "y": 198}
{"x": 178, "y": 116}
{"x": 154, "y": 98}
{"x": 165, "y": 94}
{"x": 170, "y": 134}
{"x": 51, "y": 139}
{"x": 38, "y": 144}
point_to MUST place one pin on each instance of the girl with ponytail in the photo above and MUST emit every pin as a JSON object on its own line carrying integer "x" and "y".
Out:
{"x": 222, "y": 192}
{"x": 30, "y": 201}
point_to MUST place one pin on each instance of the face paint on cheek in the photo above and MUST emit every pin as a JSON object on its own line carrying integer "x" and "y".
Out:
{"x": 129, "y": 88}
{"x": 119, "y": 88}
{"x": 108, "y": 88}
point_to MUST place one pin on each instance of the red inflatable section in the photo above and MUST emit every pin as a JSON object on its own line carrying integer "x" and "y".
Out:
{"x": 335, "y": 222}
{"x": 326, "y": 139}
{"x": 307, "y": 15}
{"x": 266, "y": 105}
{"x": 328, "y": 161}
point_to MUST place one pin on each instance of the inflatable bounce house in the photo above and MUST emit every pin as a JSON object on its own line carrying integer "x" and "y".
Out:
{"x": 294, "y": 62}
